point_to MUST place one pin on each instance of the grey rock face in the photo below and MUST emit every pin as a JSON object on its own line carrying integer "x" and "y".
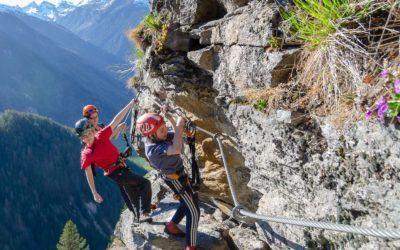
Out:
{"x": 203, "y": 58}
{"x": 247, "y": 26}
{"x": 244, "y": 67}
{"x": 239, "y": 57}
{"x": 152, "y": 236}
{"x": 178, "y": 39}
{"x": 197, "y": 11}
{"x": 247, "y": 239}
{"x": 317, "y": 173}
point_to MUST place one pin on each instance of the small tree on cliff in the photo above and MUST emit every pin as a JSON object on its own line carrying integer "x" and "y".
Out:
{"x": 70, "y": 238}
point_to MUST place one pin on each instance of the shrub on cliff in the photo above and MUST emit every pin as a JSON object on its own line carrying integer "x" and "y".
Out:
{"x": 152, "y": 30}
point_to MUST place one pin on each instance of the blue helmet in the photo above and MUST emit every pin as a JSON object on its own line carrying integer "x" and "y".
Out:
{"x": 82, "y": 126}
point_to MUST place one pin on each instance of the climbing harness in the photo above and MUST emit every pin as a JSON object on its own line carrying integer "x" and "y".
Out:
{"x": 239, "y": 212}
{"x": 195, "y": 180}
{"x": 128, "y": 150}
{"x": 187, "y": 187}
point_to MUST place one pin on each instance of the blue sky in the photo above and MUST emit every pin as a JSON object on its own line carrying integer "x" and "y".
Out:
{"x": 26, "y": 2}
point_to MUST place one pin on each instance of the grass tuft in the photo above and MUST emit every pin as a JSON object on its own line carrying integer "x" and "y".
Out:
{"x": 315, "y": 20}
{"x": 153, "y": 22}
{"x": 261, "y": 105}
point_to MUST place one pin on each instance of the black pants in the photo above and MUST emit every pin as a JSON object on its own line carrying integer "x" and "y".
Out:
{"x": 135, "y": 190}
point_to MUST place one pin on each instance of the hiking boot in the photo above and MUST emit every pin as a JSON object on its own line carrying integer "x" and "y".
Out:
{"x": 153, "y": 206}
{"x": 172, "y": 229}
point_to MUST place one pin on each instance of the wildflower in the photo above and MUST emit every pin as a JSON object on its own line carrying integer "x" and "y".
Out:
{"x": 397, "y": 86}
{"x": 385, "y": 73}
{"x": 368, "y": 115}
{"x": 383, "y": 107}
{"x": 383, "y": 100}
{"x": 382, "y": 110}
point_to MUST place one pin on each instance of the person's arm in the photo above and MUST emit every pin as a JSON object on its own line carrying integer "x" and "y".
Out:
{"x": 122, "y": 127}
{"x": 164, "y": 110}
{"x": 121, "y": 114}
{"x": 171, "y": 120}
{"x": 177, "y": 142}
{"x": 89, "y": 176}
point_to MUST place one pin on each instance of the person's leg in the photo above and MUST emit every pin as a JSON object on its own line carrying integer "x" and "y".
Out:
{"x": 133, "y": 195}
{"x": 126, "y": 199}
{"x": 145, "y": 193}
{"x": 180, "y": 212}
{"x": 138, "y": 190}
{"x": 191, "y": 209}
{"x": 134, "y": 186}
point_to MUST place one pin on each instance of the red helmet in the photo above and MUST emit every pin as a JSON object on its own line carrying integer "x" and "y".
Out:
{"x": 149, "y": 123}
{"x": 88, "y": 110}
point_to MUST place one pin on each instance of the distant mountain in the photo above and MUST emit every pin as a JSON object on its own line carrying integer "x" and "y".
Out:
{"x": 105, "y": 23}
{"x": 67, "y": 40}
{"x": 11, "y": 9}
{"x": 45, "y": 10}
{"x": 39, "y": 75}
{"x": 42, "y": 186}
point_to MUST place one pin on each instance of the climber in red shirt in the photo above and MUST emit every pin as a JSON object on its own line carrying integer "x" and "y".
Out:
{"x": 100, "y": 152}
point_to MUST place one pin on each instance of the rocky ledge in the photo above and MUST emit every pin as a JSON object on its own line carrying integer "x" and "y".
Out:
{"x": 217, "y": 231}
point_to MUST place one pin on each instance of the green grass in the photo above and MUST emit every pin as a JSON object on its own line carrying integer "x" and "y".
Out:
{"x": 275, "y": 42}
{"x": 260, "y": 105}
{"x": 315, "y": 20}
{"x": 394, "y": 105}
{"x": 153, "y": 22}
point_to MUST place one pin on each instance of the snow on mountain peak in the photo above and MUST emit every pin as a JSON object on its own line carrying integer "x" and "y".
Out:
{"x": 44, "y": 11}
{"x": 32, "y": 10}
{"x": 50, "y": 12}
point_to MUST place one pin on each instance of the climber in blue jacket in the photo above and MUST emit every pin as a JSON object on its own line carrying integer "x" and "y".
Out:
{"x": 163, "y": 149}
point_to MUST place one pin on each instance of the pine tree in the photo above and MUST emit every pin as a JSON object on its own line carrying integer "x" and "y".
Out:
{"x": 70, "y": 238}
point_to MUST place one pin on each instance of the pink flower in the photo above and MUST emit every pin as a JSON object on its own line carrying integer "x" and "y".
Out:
{"x": 382, "y": 106}
{"x": 368, "y": 115}
{"x": 385, "y": 73}
{"x": 383, "y": 100}
{"x": 397, "y": 86}
{"x": 382, "y": 110}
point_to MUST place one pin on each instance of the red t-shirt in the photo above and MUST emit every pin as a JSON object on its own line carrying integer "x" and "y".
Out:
{"x": 102, "y": 152}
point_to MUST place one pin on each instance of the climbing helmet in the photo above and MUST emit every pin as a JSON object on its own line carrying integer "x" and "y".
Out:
{"x": 149, "y": 123}
{"x": 82, "y": 127}
{"x": 88, "y": 110}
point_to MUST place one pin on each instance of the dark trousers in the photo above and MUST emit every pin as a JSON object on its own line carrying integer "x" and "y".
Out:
{"x": 188, "y": 207}
{"x": 135, "y": 190}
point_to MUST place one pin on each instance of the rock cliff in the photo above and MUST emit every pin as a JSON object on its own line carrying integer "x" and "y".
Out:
{"x": 285, "y": 162}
